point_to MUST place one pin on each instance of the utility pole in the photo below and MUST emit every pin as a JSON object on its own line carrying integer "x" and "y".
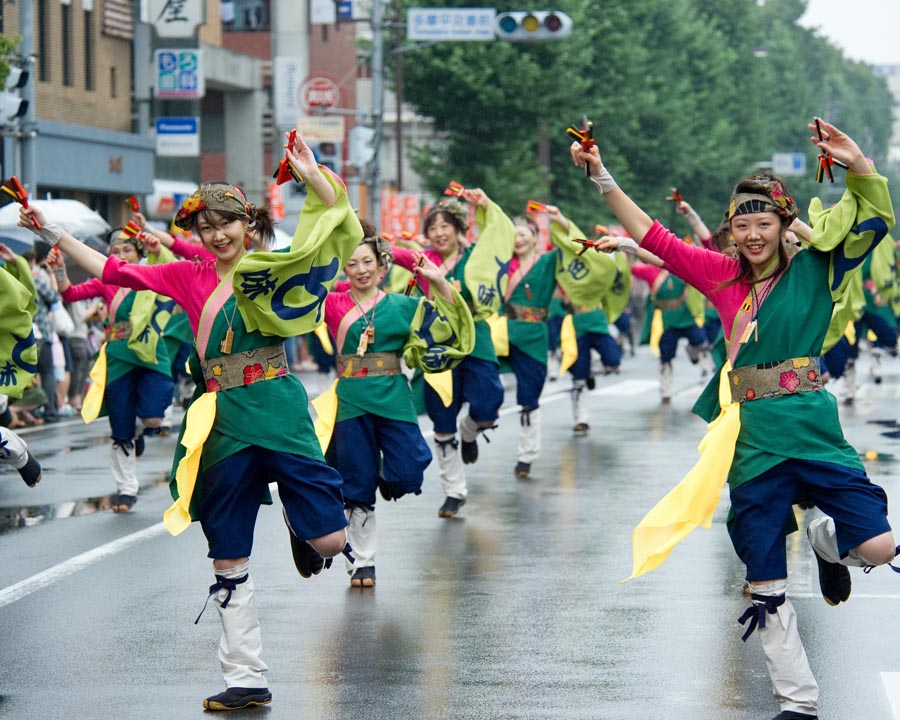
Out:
{"x": 378, "y": 108}
{"x": 28, "y": 139}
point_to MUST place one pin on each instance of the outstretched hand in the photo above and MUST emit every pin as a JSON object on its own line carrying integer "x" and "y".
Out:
{"x": 425, "y": 267}
{"x": 581, "y": 157}
{"x": 301, "y": 156}
{"x": 6, "y": 255}
{"x": 28, "y": 215}
{"x": 841, "y": 147}
{"x": 477, "y": 196}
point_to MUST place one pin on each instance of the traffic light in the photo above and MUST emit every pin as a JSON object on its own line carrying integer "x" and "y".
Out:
{"x": 12, "y": 106}
{"x": 329, "y": 154}
{"x": 532, "y": 26}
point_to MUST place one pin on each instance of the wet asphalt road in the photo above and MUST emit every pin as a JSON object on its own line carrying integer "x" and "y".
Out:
{"x": 511, "y": 610}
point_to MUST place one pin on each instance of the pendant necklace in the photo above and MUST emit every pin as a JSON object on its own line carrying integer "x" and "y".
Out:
{"x": 368, "y": 334}
{"x": 225, "y": 345}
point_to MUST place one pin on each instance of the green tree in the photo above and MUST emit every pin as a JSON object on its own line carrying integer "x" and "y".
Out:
{"x": 685, "y": 93}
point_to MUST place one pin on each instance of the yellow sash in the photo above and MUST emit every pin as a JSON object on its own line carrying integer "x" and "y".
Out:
{"x": 499, "y": 326}
{"x": 693, "y": 501}
{"x": 325, "y": 406}
{"x": 656, "y": 330}
{"x": 199, "y": 421}
{"x": 324, "y": 338}
{"x": 568, "y": 344}
{"x": 442, "y": 384}
{"x": 93, "y": 401}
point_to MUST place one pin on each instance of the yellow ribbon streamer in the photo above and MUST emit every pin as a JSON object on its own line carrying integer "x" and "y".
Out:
{"x": 694, "y": 500}
{"x": 325, "y": 406}
{"x": 442, "y": 384}
{"x": 198, "y": 423}
{"x": 93, "y": 401}
{"x": 568, "y": 344}
{"x": 499, "y": 326}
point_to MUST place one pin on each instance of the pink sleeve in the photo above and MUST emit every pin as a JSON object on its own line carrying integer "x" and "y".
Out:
{"x": 336, "y": 306}
{"x": 647, "y": 273}
{"x": 705, "y": 269}
{"x": 93, "y": 288}
{"x": 189, "y": 250}
{"x": 404, "y": 258}
{"x": 187, "y": 282}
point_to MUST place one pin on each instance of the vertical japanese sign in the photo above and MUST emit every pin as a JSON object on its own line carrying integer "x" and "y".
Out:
{"x": 175, "y": 18}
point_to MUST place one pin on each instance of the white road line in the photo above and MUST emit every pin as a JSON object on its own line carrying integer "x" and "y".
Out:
{"x": 73, "y": 565}
{"x": 79, "y": 562}
{"x": 891, "y": 682}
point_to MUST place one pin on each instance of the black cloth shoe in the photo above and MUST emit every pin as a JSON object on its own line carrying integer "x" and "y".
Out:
{"x": 236, "y": 698}
{"x": 450, "y": 507}
{"x": 581, "y": 429}
{"x": 591, "y": 382}
{"x": 794, "y": 715}
{"x": 522, "y": 469}
{"x": 31, "y": 471}
{"x": 834, "y": 582}
{"x": 306, "y": 558}
{"x": 469, "y": 451}
{"x": 364, "y": 577}
{"x": 124, "y": 503}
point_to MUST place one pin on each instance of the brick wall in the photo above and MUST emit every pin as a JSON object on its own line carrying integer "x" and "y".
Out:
{"x": 112, "y": 65}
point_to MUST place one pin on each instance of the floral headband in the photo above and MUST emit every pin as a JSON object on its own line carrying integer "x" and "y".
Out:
{"x": 218, "y": 196}
{"x": 455, "y": 209}
{"x": 776, "y": 199}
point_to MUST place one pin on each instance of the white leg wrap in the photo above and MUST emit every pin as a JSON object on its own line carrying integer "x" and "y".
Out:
{"x": 468, "y": 429}
{"x": 450, "y": 467}
{"x": 362, "y": 534}
{"x": 665, "y": 380}
{"x": 793, "y": 683}
{"x": 240, "y": 646}
{"x": 823, "y": 538}
{"x": 850, "y": 380}
{"x": 579, "y": 405}
{"x": 529, "y": 436}
{"x": 13, "y": 450}
{"x": 123, "y": 464}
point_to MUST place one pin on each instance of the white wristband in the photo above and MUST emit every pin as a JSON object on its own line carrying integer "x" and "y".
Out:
{"x": 628, "y": 246}
{"x": 603, "y": 180}
{"x": 50, "y": 233}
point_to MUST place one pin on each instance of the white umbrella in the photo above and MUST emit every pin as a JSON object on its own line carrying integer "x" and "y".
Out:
{"x": 71, "y": 215}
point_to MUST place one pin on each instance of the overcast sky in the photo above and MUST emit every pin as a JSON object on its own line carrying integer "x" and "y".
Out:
{"x": 865, "y": 29}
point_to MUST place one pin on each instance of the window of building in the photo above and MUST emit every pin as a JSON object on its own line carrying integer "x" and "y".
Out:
{"x": 67, "y": 63}
{"x": 245, "y": 15}
{"x": 88, "y": 50}
{"x": 43, "y": 38}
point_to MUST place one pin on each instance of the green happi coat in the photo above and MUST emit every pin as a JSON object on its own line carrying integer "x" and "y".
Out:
{"x": 792, "y": 323}
{"x": 413, "y": 328}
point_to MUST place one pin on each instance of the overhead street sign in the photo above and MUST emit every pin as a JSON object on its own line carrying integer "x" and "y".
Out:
{"x": 450, "y": 23}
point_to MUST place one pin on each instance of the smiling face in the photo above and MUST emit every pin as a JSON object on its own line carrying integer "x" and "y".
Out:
{"x": 223, "y": 235}
{"x": 758, "y": 237}
{"x": 443, "y": 236}
{"x": 125, "y": 251}
{"x": 363, "y": 270}
{"x": 526, "y": 241}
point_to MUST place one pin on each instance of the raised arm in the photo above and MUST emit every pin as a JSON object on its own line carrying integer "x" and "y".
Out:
{"x": 629, "y": 214}
{"x": 86, "y": 257}
{"x": 695, "y": 221}
{"x": 610, "y": 243}
{"x": 302, "y": 158}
